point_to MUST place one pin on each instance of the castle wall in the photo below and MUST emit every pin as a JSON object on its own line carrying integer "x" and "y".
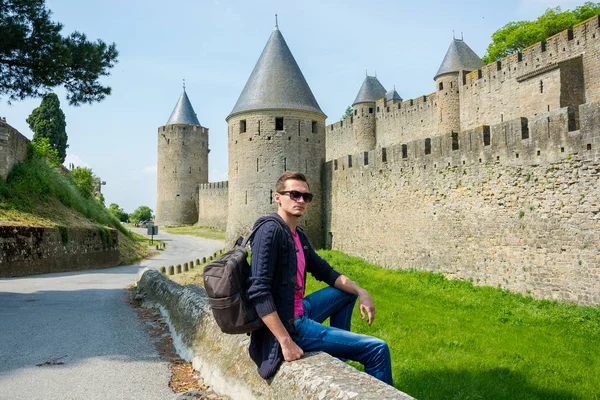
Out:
{"x": 258, "y": 157}
{"x": 562, "y": 71}
{"x": 408, "y": 120}
{"x": 182, "y": 167}
{"x": 14, "y": 148}
{"x": 339, "y": 138}
{"x": 515, "y": 205}
{"x": 213, "y": 204}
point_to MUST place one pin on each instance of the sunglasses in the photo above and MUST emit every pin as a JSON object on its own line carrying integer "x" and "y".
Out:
{"x": 296, "y": 195}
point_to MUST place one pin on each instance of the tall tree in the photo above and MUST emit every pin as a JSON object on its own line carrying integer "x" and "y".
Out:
{"x": 515, "y": 36}
{"x": 35, "y": 57}
{"x": 141, "y": 214}
{"x": 48, "y": 121}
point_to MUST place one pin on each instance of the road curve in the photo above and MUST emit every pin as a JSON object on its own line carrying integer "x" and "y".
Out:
{"x": 74, "y": 336}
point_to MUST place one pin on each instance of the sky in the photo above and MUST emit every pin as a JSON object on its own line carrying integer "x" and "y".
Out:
{"x": 214, "y": 45}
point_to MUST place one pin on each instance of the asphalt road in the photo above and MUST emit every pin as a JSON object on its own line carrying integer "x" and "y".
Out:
{"x": 83, "y": 320}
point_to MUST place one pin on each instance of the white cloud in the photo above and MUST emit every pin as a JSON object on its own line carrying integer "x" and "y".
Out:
{"x": 150, "y": 169}
{"x": 75, "y": 160}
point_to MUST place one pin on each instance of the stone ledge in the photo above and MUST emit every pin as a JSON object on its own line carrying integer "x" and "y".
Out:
{"x": 223, "y": 360}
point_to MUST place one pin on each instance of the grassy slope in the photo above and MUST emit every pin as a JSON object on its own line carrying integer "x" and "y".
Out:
{"x": 202, "y": 231}
{"x": 451, "y": 340}
{"x": 38, "y": 195}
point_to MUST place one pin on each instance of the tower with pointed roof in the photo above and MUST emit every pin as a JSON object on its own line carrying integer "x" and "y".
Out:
{"x": 275, "y": 126}
{"x": 459, "y": 57}
{"x": 364, "y": 121}
{"x": 182, "y": 165}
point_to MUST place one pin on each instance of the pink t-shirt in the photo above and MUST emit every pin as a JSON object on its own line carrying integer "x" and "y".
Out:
{"x": 299, "y": 292}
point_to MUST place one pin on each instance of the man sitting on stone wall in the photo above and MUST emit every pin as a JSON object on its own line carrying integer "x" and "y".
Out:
{"x": 281, "y": 256}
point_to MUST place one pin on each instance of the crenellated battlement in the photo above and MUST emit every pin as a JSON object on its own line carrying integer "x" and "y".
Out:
{"x": 214, "y": 185}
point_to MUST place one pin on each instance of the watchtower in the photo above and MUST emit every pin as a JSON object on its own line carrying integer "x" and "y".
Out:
{"x": 275, "y": 126}
{"x": 182, "y": 165}
{"x": 364, "y": 121}
{"x": 459, "y": 57}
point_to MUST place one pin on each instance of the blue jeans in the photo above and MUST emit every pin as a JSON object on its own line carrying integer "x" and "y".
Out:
{"x": 336, "y": 339}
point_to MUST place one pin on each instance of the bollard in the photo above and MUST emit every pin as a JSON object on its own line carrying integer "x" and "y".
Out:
{"x": 192, "y": 264}
{"x": 171, "y": 270}
{"x": 163, "y": 270}
{"x": 158, "y": 247}
{"x": 203, "y": 259}
{"x": 185, "y": 267}
{"x": 178, "y": 269}
{"x": 197, "y": 261}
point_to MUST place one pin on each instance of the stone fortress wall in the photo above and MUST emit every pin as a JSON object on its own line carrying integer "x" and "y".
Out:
{"x": 510, "y": 199}
{"x": 14, "y": 148}
{"x": 182, "y": 167}
{"x": 212, "y": 204}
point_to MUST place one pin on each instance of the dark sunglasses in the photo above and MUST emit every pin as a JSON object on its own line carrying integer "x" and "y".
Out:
{"x": 296, "y": 195}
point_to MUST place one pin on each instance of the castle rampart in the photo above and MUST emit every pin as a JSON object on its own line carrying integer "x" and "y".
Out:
{"x": 515, "y": 204}
{"x": 213, "y": 205}
{"x": 13, "y": 148}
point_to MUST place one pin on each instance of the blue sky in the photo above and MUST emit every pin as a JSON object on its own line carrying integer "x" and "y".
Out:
{"x": 214, "y": 45}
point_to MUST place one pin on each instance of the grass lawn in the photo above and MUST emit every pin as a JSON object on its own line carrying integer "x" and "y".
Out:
{"x": 202, "y": 231}
{"x": 451, "y": 340}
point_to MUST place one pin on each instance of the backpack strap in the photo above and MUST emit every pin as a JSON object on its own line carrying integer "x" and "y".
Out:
{"x": 261, "y": 223}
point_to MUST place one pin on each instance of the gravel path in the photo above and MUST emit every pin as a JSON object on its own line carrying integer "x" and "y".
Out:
{"x": 74, "y": 336}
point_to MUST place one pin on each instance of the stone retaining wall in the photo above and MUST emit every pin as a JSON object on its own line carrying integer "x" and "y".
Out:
{"x": 223, "y": 360}
{"x": 39, "y": 250}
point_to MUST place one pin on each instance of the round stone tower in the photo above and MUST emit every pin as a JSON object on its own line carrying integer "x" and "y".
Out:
{"x": 459, "y": 57}
{"x": 182, "y": 165}
{"x": 275, "y": 126}
{"x": 364, "y": 107}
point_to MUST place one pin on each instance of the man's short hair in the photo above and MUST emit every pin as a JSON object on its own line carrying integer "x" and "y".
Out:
{"x": 298, "y": 176}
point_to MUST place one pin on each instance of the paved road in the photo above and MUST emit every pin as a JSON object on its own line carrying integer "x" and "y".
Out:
{"x": 82, "y": 319}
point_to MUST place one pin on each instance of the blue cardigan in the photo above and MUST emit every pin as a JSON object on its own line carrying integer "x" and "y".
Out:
{"x": 272, "y": 284}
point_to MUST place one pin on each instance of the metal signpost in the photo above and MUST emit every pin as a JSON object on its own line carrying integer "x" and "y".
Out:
{"x": 152, "y": 230}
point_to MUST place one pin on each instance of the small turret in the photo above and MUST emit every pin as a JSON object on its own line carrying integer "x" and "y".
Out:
{"x": 459, "y": 57}
{"x": 370, "y": 91}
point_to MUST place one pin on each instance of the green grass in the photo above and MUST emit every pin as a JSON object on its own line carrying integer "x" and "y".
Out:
{"x": 208, "y": 232}
{"x": 34, "y": 182}
{"x": 451, "y": 340}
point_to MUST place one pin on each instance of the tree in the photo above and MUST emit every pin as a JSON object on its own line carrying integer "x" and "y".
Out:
{"x": 348, "y": 113}
{"x": 515, "y": 36}
{"x": 118, "y": 212}
{"x": 84, "y": 178}
{"x": 142, "y": 213}
{"x": 35, "y": 57}
{"x": 43, "y": 149}
{"x": 48, "y": 121}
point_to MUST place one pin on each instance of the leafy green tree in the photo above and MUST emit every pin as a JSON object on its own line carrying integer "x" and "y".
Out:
{"x": 118, "y": 212}
{"x": 348, "y": 113}
{"x": 35, "y": 57}
{"x": 515, "y": 36}
{"x": 43, "y": 149}
{"x": 142, "y": 213}
{"x": 84, "y": 178}
{"x": 48, "y": 121}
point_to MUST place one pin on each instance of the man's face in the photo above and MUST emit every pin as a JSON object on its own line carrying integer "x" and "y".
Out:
{"x": 289, "y": 206}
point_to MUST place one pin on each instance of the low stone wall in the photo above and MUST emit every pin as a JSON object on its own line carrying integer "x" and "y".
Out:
{"x": 38, "y": 250}
{"x": 223, "y": 360}
{"x": 13, "y": 148}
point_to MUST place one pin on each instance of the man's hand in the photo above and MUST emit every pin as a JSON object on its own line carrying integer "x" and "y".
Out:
{"x": 291, "y": 351}
{"x": 366, "y": 305}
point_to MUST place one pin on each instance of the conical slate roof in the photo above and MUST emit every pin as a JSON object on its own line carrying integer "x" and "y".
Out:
{"x": 459, "y": 57}
{"x": 392, "y": 95}
{"x": 371, "y": 90}
{"x": 276, "y": 82}
{"x": 183, "y": 113}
